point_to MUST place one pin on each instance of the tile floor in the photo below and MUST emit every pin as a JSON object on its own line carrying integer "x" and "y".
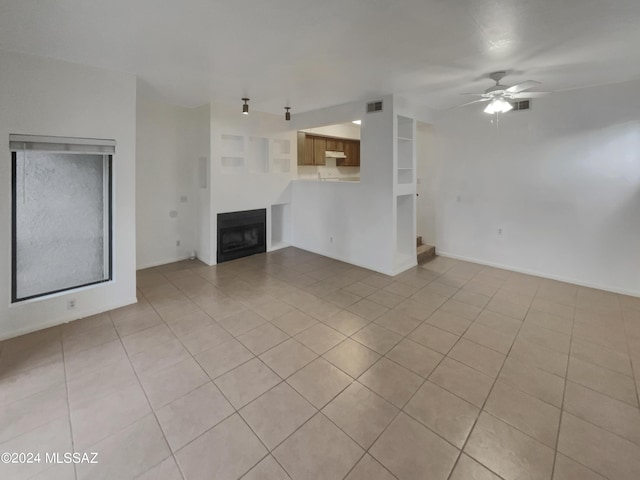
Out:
{"x": 292, "y": 365}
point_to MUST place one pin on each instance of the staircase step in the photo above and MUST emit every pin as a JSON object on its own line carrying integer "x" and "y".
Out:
{"x": 419, "y": 241}
{"x": 425, "y": 253}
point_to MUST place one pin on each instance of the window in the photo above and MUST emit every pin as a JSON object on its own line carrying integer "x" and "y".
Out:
{"x": 61, "y": 232}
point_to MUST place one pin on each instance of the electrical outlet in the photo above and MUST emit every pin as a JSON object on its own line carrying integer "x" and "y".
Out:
{"x": 330, "y": 239}
{"x": 499, "y": 231}
{"x": 71, "y": 304}
{"x": 177, "y": 243}
{"x": 183, "y": 199}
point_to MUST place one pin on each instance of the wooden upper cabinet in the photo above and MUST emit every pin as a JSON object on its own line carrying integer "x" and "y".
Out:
{"x": 319, "y": 147}
{"x": 312, "y": 148}
{"x": 352, "y": 151}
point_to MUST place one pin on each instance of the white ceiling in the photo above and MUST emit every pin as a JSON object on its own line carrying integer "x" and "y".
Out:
{"x": 316, "y": 53}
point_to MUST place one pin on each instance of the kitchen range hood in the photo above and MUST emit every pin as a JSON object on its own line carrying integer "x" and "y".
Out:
{"x": 332, "y": 154}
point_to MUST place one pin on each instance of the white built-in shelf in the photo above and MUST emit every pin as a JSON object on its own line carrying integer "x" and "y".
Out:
{"x": 258, "y": 155}
{"x": 405, "y": 139}
{"x": 232, "y": 145}
{"x": 232, "y": 164}
{"x": 404, "y": 189}
{"x": 280, "y": 147}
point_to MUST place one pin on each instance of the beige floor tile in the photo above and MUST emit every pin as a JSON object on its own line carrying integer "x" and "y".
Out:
{"x": 449, "y": 322}
{"x": 162, "y": 356}
{"x": 267, "y": 469}
{"x": 148, "y": 338}
{"x": 601, "y": 356}
{"x": 489, "y": 337}
{"x": 277, "y": 414}
{"x": 542, "y": 385}
{"x": 601, "y": 451}
{"x": 507, "y": 451}
{"x": 31, "y": 412}
{"x": 89, "y": 338}
{"x": 461, "y": 309}
{"x": 190, "y": 323}
{"x": 403, "y": 289}
{"x": 429, "y": 299}
{"x": 411, "y": 451}
{"x": 415, "y": 309}
{"x": 470, "y": 298}
{"x": 351, "y": 357}
{"x": 54, "y": 436}
{"x": 499, "y": 322}
{"x": 556, "y": 341}
{"x": 165, "y": 386}
{"x": 165, "y": 470}
{"x": 443, "y": 412}
{"x": 549, "y": 321}
{"x": 548, "y": 360}
{"x": 246, "y": 382}
{"x": 603, "y": 411}
{"x": 468, "y": 469}
{"x": 318, "y": 450}
{"x": 202, "y": 340}
{"x": 132, "y": 324}
{"x": 360, "y": 413}
{"x": 568, "y": 469}
{"x": 434, "y": 338}
{"x": 288, "y": 357}
{"x": 386, "y": 298}
{"x": 367, "y": 309}
{"x": 346, "y": 323}
{"x": 342, "y": 298}
{"x": 602, "y": 380}
{"x": 377, "y": 338}
{"x": 377, "y": 280}
{"x": 467, "y": 383}
{"x": 225, "y": 452}
{"x": 241, "y": 322}
{"x": 415, "y": 357}
{"x": 361, "y": 289}
{"x": 100, "y": 382}
{"x": 476, "y": 356}
{"x": 294, "y": 322}
{"x": 100, "y": 417}
{"x": 262, "y": 338}
{"x": 16, "y": 386}
{"x": 273, "y": 309}
{"x": 224, "y": 357}
{"x": 320, "y": 338}
{"x": 128, "y": 453}
{"x": 397, "y": 322}
{"x": 15, "y": 360}
{"x": 391, "y": 381}
{"x": 77, "y": 364}
{"x": 57, "y": 472}
{"x": 368, "y": 468}
{"x": 188, "y": 417}
{"x": 319, "y": 382}
{"x": 508, "y": 307}
{"x": 524, "y": 412}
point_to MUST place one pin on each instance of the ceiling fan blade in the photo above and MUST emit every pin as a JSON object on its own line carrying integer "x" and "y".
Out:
{"x": 474, "y": 94}
{"x": 521, "y": 87}
{"x": 474, "y": 101}
{"x": 530, "y": 94}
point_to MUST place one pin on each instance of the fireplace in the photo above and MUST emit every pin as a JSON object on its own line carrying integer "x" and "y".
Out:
{"x": 241, "y": 234}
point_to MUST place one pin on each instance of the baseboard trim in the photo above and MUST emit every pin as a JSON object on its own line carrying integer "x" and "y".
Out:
{"x": 574, "y": 281}
{"x": 62, "y": 321}
{"x": 163, "y": 262}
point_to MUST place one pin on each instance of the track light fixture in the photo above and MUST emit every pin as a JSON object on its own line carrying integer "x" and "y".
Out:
{"x": 245, "y": 107}
{"x": 287, "y": 114}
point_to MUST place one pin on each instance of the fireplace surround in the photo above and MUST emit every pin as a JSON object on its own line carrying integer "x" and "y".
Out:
{"x": 241, "y": 234}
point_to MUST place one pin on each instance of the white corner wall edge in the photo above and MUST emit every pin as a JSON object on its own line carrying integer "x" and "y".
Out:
{"x": 573, "y": 281}
{"x": 61, "y": 320}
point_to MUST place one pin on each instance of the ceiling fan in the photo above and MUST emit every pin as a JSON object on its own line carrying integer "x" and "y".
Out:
{"x": 499, "y": 96}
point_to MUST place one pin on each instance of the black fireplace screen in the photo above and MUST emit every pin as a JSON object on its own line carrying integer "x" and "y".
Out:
{"x": 241, "y": 234}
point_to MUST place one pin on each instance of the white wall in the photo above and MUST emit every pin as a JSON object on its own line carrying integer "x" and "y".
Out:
{"x": 352, "y": 222}
{"x": 165, "y": 174}
{"x": 49, "y": 97}
{"x": 342, "y": 130}
{"x": 562, "y": 181}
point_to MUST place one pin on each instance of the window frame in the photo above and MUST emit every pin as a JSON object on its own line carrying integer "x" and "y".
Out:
{"x": 14, "y": 234}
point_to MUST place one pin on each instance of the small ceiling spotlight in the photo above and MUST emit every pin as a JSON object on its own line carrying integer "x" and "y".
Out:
{"x": 287, "y": 115}
{"x": 357, "y": 122}
{"x": 245, "y": 107}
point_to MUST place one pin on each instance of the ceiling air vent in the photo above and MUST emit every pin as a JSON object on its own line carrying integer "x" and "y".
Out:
{"x": 521, "y": 105}
{"x": 374, "y": 106}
